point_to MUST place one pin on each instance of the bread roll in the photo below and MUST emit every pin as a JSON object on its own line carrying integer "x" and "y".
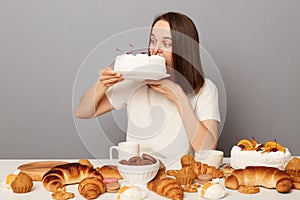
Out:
{"x": 70, "y": 173}
{"x": 268, "y": 177}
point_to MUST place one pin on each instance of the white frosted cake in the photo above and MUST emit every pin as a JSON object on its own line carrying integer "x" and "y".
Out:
{"x": 270, "y": 155}
{"x": 140, "y": 63}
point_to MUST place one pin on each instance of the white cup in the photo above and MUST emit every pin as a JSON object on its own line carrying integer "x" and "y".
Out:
{"x": 210, "y": 157}
{"x": 125, "y": 150}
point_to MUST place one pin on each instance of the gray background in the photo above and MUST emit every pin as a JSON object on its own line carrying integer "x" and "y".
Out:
{"x": 46, "y": 54}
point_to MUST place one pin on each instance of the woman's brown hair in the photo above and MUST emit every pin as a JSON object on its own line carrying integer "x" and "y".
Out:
{"x": 185, "y": 51}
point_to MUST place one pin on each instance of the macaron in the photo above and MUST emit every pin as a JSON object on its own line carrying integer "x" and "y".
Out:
{"x": 110, "y": 180}
{"x": 112, "y": 187}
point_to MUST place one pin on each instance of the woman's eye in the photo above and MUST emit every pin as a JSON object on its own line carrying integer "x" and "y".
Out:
{"x": 167, "y": 44}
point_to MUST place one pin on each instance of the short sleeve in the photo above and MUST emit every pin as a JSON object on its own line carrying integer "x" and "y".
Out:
{"x": 119, "y": 94}
{"x": 207, "y": 102}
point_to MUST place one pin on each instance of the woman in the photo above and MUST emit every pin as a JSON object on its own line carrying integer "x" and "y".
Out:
{"x": 168, "y": 117}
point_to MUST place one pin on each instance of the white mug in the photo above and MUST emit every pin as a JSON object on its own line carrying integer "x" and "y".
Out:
{"x": 210, "y": 157}
{"x": 125, "y": 150}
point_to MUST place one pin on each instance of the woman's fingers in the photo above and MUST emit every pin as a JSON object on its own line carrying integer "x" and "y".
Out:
{"x": 158, "y": 88}
{"x": 152, "y": 82}
{"x": 108, "y": 77}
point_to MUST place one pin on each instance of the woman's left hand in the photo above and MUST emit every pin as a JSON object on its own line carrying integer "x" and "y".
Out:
{"x": 166, "y": 87}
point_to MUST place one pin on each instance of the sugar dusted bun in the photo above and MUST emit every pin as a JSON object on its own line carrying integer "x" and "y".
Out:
{"x": 70, "y": 173}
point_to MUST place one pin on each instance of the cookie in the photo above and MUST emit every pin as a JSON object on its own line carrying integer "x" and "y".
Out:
{"x": 134, "y": 159}
{"x": 112, "y": 187}
{"x": 248, "y": 189}
{"x": 124, "y": 162}
{"x": 145, "y": 159}
{"x": 61, "y": 194}
{"x": 191, "y": 188}
{"x": 149, "y": 157}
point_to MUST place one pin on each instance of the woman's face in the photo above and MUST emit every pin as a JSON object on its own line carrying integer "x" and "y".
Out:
{"x": 161, "y": 41}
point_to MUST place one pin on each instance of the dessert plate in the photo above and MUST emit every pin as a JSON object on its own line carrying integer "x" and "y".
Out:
{"x": 140, "y": 75}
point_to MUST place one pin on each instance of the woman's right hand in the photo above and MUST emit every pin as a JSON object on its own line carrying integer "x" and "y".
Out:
{"x": 108, "y": 77}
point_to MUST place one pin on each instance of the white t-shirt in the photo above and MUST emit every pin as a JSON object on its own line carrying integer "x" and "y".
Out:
{"x": 154, "y": 121}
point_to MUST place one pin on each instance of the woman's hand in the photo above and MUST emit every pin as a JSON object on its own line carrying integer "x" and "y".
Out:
{"x": 108, "y": 77}
{"x": 168, "y": 88}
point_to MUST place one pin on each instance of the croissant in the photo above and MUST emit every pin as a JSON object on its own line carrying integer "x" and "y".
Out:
{"x": 91, "y": 187}
{"x": 201, "y": 168}
{"x": 161, "y": 172}
{"x": 86, "y": 162}
{"x": 167, "y": 187}
{"x": 268, "y": 177}
{"x": 70, "y": 173}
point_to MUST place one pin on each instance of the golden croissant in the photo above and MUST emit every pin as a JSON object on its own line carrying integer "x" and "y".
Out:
{"x": 167, "y": 187}
{"x": 91, "y": 187}
{"x": 66, "y": 174}
{"x": 268, "y": 177}
{"x": 201, "y": 168}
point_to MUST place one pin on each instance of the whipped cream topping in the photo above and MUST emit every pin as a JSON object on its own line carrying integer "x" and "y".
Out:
{"x": 128, "y": 62}
{"x": 240, "y": 159}
{"x": 132, "y": 193}
{"x": 213, "y": 191}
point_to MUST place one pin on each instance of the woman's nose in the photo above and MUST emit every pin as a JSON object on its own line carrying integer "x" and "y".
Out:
{"x": 157, "y": 50}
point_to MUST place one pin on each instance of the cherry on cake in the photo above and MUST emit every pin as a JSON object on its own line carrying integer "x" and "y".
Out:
{"x": 251, "y": 153}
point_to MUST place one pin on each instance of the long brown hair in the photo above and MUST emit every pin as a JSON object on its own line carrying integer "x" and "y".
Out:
{"x": 185, "y": 51}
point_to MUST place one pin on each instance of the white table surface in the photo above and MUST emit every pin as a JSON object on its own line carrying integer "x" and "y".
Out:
{"x": 38, "y": 192}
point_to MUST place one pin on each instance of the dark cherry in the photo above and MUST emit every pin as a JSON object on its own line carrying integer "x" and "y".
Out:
{"x": 259, "y": 148}
{"x": 242, "y": 146}
{"x": 274, "y": 149}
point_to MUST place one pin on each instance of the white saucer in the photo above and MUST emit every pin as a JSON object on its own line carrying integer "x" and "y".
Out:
{"x": 140, "y": 75}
